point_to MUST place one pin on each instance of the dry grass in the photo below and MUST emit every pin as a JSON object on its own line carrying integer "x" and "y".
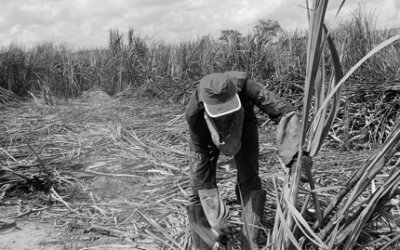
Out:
{"x": 105, "y": 159}
{"x": 118, "y": 167}
{"x": 7, "y": 97}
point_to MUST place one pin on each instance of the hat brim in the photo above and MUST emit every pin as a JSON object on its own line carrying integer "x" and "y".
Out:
{"x": 230, "y": 106}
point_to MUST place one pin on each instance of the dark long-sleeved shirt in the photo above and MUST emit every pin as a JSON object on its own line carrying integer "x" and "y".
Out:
{"x": 250, "y": 93}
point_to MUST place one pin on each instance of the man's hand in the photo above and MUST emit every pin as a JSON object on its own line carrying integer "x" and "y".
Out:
{"x": 224, "y": 233}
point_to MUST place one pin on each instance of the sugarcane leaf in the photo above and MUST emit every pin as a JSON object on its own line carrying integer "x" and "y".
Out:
{"x": 286, "y": 226}
{"x": 325, "y": 189}
{"x": 340, "y": 7}
{"x": 315, "y": 48}
{"x": 389, "y": 244}
{"x": 336, "y": 76}
{"x": 333, "y": 236}
{"x": 355, "y": 67}
{"x": 308, "y": 11}
{"x": 370, "y": 208}
{"x": 319, "y": 93}
{"x": 275, "y": 230}
{"x": 360, "y": 180}
{"x": 314, "y": 52}
{"x": 306, "y": 229}
{"x": 376, "y": 165}
{"x": 246, "y": 226}
{"x": 323, "y": 122}
{"x": 159, "y": 227}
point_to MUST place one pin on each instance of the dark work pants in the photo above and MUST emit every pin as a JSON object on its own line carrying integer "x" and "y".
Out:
{"x": 203, "y": 164}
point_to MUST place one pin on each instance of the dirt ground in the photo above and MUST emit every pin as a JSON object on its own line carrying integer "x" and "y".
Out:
{"x": 44, "y": 228}
{"x": 41, "y": 235}
{"x": 30, "y": 235}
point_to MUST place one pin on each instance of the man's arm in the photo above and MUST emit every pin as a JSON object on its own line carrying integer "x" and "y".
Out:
{"x": 270, "y": 103}
{"x": 282, "y": 113}
{"x": 202, "y": 162}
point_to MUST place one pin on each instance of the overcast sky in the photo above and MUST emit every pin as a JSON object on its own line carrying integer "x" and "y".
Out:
{"x": 85, "y": 23}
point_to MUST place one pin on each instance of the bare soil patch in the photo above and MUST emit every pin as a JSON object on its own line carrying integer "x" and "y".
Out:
{"x": 30, "y": 235}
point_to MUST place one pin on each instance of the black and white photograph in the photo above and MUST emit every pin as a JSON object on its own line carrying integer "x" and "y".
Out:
{"x": 199, "y": 124}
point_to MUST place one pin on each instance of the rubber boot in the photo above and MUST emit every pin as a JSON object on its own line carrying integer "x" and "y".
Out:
{"x": 197, "y": 220}
{"x": 217, "y": 214}
{"x": 252, "y": 215}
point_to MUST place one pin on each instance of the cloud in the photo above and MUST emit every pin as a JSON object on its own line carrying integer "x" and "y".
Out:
{"x": 190, "y": 19}
{"x": 86, "y": 23}
{"x": 291, "y": 15}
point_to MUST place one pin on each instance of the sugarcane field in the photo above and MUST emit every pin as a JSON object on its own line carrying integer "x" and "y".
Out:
{"x": 120, "y": 147}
